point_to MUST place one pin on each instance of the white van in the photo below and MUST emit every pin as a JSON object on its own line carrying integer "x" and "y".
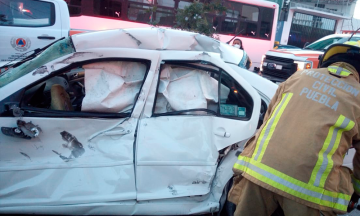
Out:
{"x": 26, "y": 25}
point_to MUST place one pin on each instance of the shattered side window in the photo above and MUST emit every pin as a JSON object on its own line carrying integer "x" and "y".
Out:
{"x": 101, "y": 87}
{"x": 238, "y": 103}
{"x": 57, "y": 50}
{"x": 186, "y": 89}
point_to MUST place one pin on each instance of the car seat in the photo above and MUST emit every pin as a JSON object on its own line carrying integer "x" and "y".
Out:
{"x": 60, "y": 99}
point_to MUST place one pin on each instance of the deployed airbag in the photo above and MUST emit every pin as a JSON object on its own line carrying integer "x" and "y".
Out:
{"x": 112, "y": 86}
{"x": 184, "y": 89}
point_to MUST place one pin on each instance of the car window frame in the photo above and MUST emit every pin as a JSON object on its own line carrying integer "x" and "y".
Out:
{"x": 190, "y": 64}
{"x": 42, "y": 112}
{"x": 333, "y": 38}
{"x": 52, "y": 17}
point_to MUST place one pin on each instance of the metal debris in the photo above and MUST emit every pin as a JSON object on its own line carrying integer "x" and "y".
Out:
{"x": 66, "y": 159}
{"x": 73, "y": 144}
{"x": 172, "y": 190}
{"x": 29, "y": 129}
{"x": 91, "y": 147}
{"x": 40, "y": 70}
{"x": 76, "y": 55}
{"x": 137, "y": 41}
{"x": 25, "y": 155}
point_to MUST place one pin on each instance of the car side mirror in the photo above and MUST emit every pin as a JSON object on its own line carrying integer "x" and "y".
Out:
{"x": 305, "y": 45}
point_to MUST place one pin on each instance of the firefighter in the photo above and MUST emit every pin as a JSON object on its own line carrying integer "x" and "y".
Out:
{"x": 295, "y": 159}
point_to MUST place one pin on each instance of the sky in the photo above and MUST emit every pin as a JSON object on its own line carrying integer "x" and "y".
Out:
{"x": 357, "y": 10}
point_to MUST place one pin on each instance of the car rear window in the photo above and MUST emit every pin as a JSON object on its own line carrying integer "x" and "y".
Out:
{"x": 26, "y": 13}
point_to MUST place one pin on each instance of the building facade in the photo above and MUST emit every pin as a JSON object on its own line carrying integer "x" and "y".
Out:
{"x": 305, "y": 21}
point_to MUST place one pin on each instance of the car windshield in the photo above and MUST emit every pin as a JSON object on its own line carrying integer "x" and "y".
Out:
{"x": 58, "y": 49}
{"x": 321, "y": 45}
{"x": 343, "y": 40}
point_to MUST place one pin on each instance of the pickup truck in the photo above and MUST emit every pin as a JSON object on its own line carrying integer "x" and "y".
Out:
{"x": 278, "y": 65}
{"x": 28, "y": 25}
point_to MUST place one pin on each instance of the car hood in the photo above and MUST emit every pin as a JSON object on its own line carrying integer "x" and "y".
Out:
{"x": 296, "y": 54}
{"x": 299, "y": 52}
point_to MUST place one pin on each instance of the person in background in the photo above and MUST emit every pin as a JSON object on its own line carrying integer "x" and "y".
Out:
{"x": 245, "y": 62}
{"x": 276, "y": 44}
{"x": 238, "y": 44}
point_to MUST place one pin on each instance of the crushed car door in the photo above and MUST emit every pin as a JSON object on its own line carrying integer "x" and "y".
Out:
{"x": 72, "y": 140}
{"x": 200, "y": 108}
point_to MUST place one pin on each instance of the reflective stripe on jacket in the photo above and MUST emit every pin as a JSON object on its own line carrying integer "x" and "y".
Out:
{"x": 310, "y": 124}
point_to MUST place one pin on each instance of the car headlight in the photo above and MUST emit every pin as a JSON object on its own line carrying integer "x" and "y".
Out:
{"x": 303, "y": 65}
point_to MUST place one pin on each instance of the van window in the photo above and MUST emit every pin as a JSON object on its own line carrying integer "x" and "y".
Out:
{"x": 183, "y": 4}
{"x": 26, "y": 13}
{"x": 139, "y": 11}
{"x": 246, "y": 21}
{"x": 74, "y": 7}
{"x": 159, "y": 12}
{"x": 267, "y": 17}
{"x": 109, "y": 8}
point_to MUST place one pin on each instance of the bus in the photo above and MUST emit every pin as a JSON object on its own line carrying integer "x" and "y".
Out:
{"x": 254, "y": 22}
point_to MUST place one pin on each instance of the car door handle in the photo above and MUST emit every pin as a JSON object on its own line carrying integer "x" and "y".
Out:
{"x": 24, "y": 130}
{"x": 223, "y": 134}
{"x": 46, "y": 38}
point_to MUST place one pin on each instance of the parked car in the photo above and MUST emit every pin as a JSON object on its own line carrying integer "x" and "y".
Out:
{"x": 25, "y": 27}
{"x": 284, "y": 46}
{"x": 278, "y": 65}
{"x": 137, "y": 121}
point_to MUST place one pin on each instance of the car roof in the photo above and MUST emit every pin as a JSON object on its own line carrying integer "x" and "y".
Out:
{"x": 156, "y": 39}
{"x": 337, "y": 35}
{"x": 334, "y": 36}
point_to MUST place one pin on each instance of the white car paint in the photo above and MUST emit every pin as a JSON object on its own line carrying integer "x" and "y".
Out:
{"x": 171, "y": 168}
{"x": 16, "y": 40}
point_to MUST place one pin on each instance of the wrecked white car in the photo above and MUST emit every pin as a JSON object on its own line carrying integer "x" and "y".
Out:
{"x": 140, "y": 121}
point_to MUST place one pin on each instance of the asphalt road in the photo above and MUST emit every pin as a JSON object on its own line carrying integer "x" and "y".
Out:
{"x": 353, "y": 213}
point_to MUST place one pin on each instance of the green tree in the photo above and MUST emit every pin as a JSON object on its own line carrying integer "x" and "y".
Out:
{"x": 193, "y": 17}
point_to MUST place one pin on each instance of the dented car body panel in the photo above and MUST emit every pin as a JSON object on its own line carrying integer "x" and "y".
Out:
{"x": 140, "y": 127}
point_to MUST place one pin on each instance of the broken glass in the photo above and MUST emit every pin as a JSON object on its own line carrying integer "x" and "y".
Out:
{"x": 57, "y": 50}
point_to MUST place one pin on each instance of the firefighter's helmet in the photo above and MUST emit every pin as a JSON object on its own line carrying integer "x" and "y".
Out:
{"x": 341, "y": 52}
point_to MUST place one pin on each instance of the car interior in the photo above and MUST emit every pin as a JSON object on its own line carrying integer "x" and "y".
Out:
{"x": 63, "y": 92}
